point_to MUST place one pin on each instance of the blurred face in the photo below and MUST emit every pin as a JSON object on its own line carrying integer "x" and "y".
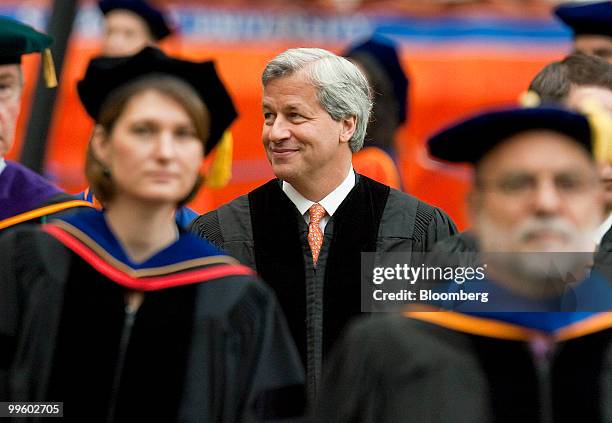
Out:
{"x": 577, "y": 97}
{"x": 126, "y": 34}
{"x": 153, "y": 152}
{"x": 303, "y": 143}
{"x": 537, "y": 192}
{"x": 10, "y": 100}
{"x": 595, "y": 45}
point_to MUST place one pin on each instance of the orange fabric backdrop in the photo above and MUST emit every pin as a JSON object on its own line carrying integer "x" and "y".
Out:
{"x": 446, "y": 82}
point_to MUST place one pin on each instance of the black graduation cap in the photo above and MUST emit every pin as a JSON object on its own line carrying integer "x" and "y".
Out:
{"x": 17, "y": 39}
{"x": 153, "y": 17}
{"x": 104, "y": 74}
{"x": 591, "y": 18}
{"x": 470, "y": 139}
{"x": 384, "y": 52}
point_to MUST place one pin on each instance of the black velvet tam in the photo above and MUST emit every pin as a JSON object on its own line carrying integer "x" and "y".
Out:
{"x": 591, "y": 18}
{"x": 470, "y": 139}
{"x": 105, "y": 74}
{"x": 155, "y": 19}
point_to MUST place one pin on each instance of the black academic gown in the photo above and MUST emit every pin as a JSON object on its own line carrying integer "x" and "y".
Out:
{"x": 208, "y": 344}
{"x": 265, "y": 230}
{"x": 603, "y": 256}
{"x": 448, "y": 367}
{"x": 463, "y": 242}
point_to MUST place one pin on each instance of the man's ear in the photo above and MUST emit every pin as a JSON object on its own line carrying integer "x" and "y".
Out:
{"x": 100, "y": 146}
{"x": 349, "y": 125}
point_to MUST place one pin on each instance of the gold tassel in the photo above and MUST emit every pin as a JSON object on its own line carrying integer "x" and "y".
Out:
{"x": 529, "y": 99}
{"x": 220, "y": 171}
{"x": 601, "y": 127}
{"x": 49, "y": 69}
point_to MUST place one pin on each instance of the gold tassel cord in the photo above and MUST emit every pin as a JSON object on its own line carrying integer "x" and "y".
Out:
{"x": 529, "y": 99}
{"x": 220, "y": 171}
{"x": 600, "y": 121}
{"x": 49, "y": 69}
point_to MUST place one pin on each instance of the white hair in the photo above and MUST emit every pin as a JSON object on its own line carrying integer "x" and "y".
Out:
{"x": 342, "y": 89}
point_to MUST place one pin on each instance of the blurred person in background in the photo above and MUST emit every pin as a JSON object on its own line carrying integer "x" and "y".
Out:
{"x": 535, "y": 190}
{"x": 131, "y": 25}
{"x": 25, "y": 196}
{"x": 129, "y": 317}
{"x": 378, "y": 59}
{"x": 591, "y": 24}
{"x": 576, "y": 81}
{"x": 573, "y": 80}
{"x": 304, "y": 231}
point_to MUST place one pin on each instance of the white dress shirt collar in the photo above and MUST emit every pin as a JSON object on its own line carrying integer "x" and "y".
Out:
{"x": 331, "y": 202}
{"x": 2, "y": 164}
{"x": 602, "y": 229}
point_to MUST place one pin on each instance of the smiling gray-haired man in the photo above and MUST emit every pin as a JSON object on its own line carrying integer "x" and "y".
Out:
{"x": 305, "y": 230}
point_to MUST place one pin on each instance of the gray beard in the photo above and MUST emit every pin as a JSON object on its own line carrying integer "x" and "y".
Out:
{"x": 531, "y": 273}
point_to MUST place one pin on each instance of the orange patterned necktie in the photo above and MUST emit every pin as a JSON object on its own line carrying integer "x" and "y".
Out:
{"x": 315, "y": 236}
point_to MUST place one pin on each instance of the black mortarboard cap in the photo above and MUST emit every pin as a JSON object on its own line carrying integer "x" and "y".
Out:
{"x": 591, "y": 18}
{"x": 384, "y": 52}
{"x": 154, "y": 18}
{"x": 470, "y": 139}
{"x": 104, "y": 74}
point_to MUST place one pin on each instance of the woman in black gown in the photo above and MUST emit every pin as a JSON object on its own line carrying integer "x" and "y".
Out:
{"x": 119, "y": 314}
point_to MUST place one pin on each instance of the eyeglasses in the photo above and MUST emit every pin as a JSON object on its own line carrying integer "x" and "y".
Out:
{"x": 523, "y": 185}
